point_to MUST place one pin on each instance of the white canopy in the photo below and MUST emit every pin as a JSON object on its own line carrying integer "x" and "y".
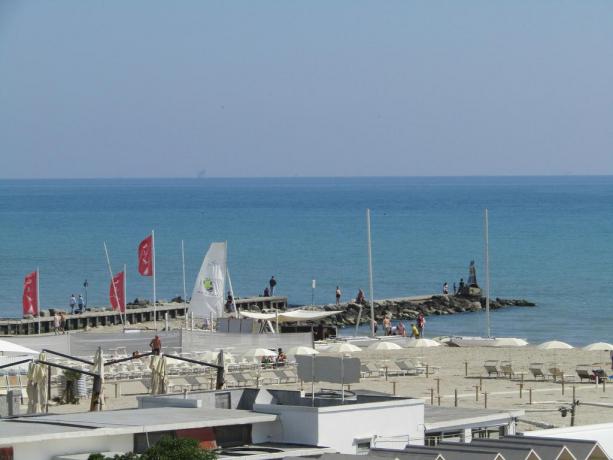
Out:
{"x": 423, "y": 343}
{"x": 10, "y": 347}
{"x": 259, "y": 353}
{"x": 599, "y": 346}
{"x": 342, "y": 347}
{"x": 381, "y": 345}
{"x": 509, "y": 342}
{"x": 290, "y": 316}
{"x": 208, "y": 293}
{"x": 554, "y": 345}
{"x": 302, "y": 350}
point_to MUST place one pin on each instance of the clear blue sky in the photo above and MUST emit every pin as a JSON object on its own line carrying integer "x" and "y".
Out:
{"x": 148, "y": 88}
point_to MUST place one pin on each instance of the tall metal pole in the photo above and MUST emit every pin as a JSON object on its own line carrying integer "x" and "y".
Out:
{"x": 125, "y": 295}
{"x": 155, "y": 308}
{"x": 184, "y": 288}
{"x": 370, "y": 284}
{"x": 487, "y": 274}
{"x": 38, "y": 296}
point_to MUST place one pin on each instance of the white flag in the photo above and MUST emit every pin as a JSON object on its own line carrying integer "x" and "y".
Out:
{"x": 208, "y": 293}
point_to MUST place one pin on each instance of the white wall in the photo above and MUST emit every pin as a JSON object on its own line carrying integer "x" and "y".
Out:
{"x": 339, "y": 426}
{"x": 46, "y": 450}
{"x": 603, "y": 433}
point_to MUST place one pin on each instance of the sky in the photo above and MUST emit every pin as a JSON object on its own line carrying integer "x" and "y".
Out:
{"x": 150, "y": 88}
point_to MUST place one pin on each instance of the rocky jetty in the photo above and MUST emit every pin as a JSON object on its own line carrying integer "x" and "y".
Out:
{"x": 409, "y": 308}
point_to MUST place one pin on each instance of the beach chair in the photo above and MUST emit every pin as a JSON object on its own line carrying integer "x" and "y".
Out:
{"x": 556, "y": 373}
{"x": 536, "y": 369}
{"x": 370, "y": 370}
{"x": 506, "y": 368}
{"x": 391, "y": 368}
{"x": 269, "y": 378}
{"x": 409, "y": 368}
{"x": 599, "y": 374}
{"x": 584, "y": 372}
{"x": 491, "y": 367}
{"x": 290, "y": 375}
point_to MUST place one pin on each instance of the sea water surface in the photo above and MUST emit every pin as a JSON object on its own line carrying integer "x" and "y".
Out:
{"x": 550, "y": 241}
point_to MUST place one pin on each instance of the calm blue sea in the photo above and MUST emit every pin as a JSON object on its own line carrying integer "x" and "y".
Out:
{"x": 550, "y": 241}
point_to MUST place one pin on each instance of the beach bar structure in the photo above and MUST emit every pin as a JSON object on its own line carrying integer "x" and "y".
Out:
{"x": 133, "y": 315}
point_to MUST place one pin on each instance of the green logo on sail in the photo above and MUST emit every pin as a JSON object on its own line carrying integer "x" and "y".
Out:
{"x": 208, "y": 285}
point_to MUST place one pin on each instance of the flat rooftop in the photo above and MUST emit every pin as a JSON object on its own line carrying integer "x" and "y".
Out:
{"x": 438, "y": 418}
{"x": 130, "y": 421}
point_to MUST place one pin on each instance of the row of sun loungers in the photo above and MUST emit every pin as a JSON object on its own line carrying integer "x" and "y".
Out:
{"x": 589, "y": 372}
{"x": 391, "y": 368}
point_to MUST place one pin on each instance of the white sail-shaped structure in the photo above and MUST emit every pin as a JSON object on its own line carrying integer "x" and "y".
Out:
{"x": 208, "y": 294}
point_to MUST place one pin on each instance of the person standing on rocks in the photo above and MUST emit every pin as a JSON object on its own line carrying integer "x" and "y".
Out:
{"x": 445, "y": 288}
{"x": 421, "y": 323}
{"x": 272, "y": 283}
{"x": 360, "y": 297}
{"x": 338, "y": 295}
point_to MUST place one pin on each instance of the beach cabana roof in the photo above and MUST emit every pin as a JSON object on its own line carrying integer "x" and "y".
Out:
{"x": 599, "y": 346}
{"x": 343, "y": 347}
{"x": 509, "y": 342}
{"x": 554, "y": 345}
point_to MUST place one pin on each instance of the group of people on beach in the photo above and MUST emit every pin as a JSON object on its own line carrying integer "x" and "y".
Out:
{"x": 417, "y": 329}
{"x": 76, "y": 305}
{"x": 59, "y": 323}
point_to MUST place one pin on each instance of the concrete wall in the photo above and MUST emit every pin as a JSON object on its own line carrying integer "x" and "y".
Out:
{"x": 47, "y": 450}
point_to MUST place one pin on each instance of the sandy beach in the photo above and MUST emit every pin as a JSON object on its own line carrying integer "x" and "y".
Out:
{"x": 447, "y": 368}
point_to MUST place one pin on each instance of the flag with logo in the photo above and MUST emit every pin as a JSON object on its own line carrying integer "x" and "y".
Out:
{"x": 30, "y": 294}
{"x": 117, "y": 292}
{"x": 145, "y": 256}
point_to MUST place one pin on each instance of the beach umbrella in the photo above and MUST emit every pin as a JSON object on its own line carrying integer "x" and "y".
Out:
{"x": 423, "y": 343}
{"x": 259, "y": 353}
{"x": 302, "y": 350}
{"x": 97, "y": 400}
{"x": 37, "y": 385}
{"x": 159, "y": 379}
{"x": 381, "y": 345}
{"x": 10, "y": 347}
{"x": 343, "y": 347}
{"x": 554, "y": 345}
{"x": 599, "y": 346}
{"x": 509, "y": 342}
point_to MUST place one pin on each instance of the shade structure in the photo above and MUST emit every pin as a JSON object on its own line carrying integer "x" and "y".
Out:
{"x": 381, "y": 345}
{"x": 343, "y": 347}
{"x": 37, "y": 385}
{"x": 599, "y": 346}
{"x": 10, "y": 347}
{"x": 423, "y": 343}
{"x": 302, "y": 350}
{"x": 259, "y": 353}
{"x": 509, "y": 342}
{"x": 159, "y": 379}
{"x": 554, "y": 345}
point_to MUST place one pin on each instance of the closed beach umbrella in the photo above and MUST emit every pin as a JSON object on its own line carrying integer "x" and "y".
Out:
{"x": 259, "y": 353}
{"x": 599, "y": 346}
{"x": 381, "y": 345}
{"x": 37, "y": 386}
{"x": 302, "y": 350}
{"x": 343, "y": 347}
{"x": 423, "y": 343}
{"x": 97, "y": 393}
{"x": 554, "y": 345}
{"x": 7, "y": 347}
{"x": 509, "y": 342}
{"x": 159, "y": 380}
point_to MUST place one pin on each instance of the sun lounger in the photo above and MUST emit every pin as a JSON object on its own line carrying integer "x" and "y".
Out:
{"x": 391, "y": 368}
{"x": 491, "y": 367}
{"x": 556, "y": 373}
{"x": 536, "y": 369}
{"x": 600, "y": 374}
{"x": 410, "y": 368}
{"x": 584, "y": 372}
{"x": 506, "y": 368}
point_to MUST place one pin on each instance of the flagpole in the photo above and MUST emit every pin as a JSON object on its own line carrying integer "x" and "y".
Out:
{"x": 230, "y": 284}
{"x": 184, "y": 288}
{"x": 108, "y": 263}
{"x": 370, "y": 283}
{"x": 38, "y": 296}
{"x": 125, "y": 296}
{"x": 155, "y": 310}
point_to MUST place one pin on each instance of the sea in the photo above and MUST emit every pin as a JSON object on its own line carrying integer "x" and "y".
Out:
{"x": 550, "y": 241}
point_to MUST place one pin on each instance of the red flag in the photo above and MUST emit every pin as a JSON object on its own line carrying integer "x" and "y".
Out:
{"x": 30, "y": 294}
{"x": 116, "y": 292}
{"x": 145, "y": 256}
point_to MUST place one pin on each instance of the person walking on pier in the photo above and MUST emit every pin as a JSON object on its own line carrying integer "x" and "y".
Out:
{"x": 73, "y": 303}
{"x": 266, "y": 292}
{"x": 57, "y": 320}
{"x": 62, "y": 322}
{"x": 338, "y": 295}
{"x": 81, "y": 304}
{"x": 272, "y": 283}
